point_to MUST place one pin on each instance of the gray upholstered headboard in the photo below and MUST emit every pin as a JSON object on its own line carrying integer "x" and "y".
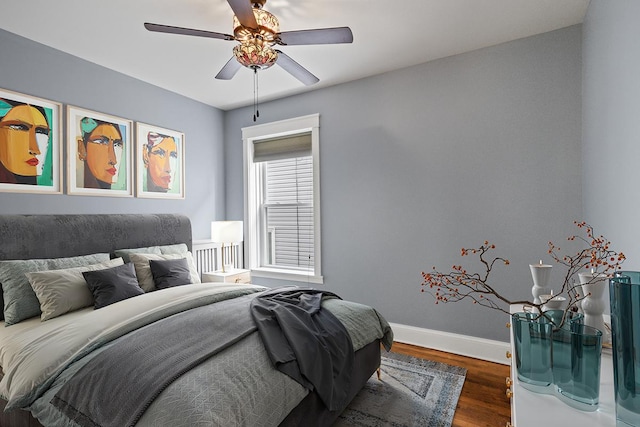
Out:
{"x": 55, "y": 236}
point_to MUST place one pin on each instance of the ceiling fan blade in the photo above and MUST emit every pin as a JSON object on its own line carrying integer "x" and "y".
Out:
{"x": 317, "y": 36}
{"x": 186, "y": 31}
{"x": 295, "y": 69}
{"x": 229, "y": 70}
{"x": 244, "y": 12}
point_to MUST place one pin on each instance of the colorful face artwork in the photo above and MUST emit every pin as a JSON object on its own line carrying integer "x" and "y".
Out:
{"x": 100, "y": 147}
{"x": 24, "y": 142}
{"x": 160, "y": 157}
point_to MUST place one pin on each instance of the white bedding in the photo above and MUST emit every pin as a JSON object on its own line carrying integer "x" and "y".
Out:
{"x": 33, "y": 352}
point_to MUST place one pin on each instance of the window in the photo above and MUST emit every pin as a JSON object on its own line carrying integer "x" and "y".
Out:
{"x": 282, "y": 199}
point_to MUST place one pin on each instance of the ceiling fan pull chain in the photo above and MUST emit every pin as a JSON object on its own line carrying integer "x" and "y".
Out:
{"x": 255, "y": 94}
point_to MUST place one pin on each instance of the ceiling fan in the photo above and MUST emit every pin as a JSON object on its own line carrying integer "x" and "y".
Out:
{"x": 257, "y": 31}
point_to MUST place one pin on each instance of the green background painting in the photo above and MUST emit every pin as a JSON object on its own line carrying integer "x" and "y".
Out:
{"x": 46, "y": 179}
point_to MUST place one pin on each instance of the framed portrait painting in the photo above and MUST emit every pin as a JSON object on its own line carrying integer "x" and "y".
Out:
{"x": 159, "y": 162}
{"x": 30, "y": 144}
{"x": 99, "y": 154}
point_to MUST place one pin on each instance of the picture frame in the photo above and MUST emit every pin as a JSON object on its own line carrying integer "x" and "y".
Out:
{"x": 32, "y": 163}
{"x": 160, "y": 167}
{"x": 99, "y": 154}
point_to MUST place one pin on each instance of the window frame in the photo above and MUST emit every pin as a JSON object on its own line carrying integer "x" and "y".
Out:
{"x": 253, "y": 197}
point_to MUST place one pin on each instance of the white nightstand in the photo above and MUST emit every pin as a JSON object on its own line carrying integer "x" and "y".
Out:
{"x": 229, "y": 276}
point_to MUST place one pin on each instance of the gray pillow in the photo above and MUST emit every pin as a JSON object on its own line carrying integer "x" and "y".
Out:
{"x": 170, "y": 272}
{"x": 20, "y": 302}
{"x": 62, "y": 291}
{"x": 112, "y": 284}
{"x": 143, "y": 271}
{"x": 179, "y": 248}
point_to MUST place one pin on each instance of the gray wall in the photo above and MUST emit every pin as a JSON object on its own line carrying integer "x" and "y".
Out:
{"x": 611, "y": 123}
{"x": 415, "y": 164}
{"x": 38, "y": 70}
{"x": 418, "y": 163}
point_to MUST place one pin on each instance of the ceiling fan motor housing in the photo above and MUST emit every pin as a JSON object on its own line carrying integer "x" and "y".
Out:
{"x": 268, "y": 27}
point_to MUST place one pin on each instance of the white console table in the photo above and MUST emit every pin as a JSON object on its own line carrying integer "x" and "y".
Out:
{"x": 530, "y": 409}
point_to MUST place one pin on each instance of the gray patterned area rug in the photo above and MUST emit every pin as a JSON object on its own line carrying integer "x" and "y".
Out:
{"x": 412, "y": 392}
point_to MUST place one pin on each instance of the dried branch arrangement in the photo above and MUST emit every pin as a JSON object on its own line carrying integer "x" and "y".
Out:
{"x": 458, "y": 284}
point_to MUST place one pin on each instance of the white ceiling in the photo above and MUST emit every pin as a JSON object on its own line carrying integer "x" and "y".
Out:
{"x": 388, "y": 35}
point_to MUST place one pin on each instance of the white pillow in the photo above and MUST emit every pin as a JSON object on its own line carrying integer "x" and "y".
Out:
{"x": 178, "y": 248}
{"x": 62, "y": 291}
{"x": 143, "y": 271}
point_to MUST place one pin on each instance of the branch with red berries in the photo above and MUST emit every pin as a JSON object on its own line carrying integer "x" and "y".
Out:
{"x": 459, "y": 283}
{"x": 596, "y": 257}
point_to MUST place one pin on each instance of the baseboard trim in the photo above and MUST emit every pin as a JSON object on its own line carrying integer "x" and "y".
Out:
{"x": 464, "y": 345}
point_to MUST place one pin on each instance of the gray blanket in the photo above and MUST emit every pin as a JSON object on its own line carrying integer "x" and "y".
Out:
{"x": 305, "y": 342}
{"x": 105, "y": 391}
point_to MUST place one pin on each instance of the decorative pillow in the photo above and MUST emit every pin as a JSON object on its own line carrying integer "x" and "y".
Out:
{"x": 169, "y": 273}
{"x": 112, "y": 284}
{"x": 143, "y": 271}
{"x": 125, "y": 253}
{"x": 20, "y": 302}
{"x": 179, "y": 248}
{"x": 62, "y": 291}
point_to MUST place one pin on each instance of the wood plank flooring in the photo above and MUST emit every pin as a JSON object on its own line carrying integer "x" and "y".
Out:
{"x": 483, "y": 402}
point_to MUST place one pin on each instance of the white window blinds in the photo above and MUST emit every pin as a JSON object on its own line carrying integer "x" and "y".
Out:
{"x": 288, "y": 208}
{"x": 287, "y": 204}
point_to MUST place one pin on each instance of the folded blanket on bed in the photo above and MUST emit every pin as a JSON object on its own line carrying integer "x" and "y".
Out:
{"x": 309, "y": 344}
{"x": 117, "y": 386}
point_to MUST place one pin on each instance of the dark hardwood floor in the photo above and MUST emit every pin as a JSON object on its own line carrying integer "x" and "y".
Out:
{"x": 483, "y": 402}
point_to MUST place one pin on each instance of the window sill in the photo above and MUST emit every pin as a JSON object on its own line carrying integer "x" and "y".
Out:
{"x": 275, "y": 273}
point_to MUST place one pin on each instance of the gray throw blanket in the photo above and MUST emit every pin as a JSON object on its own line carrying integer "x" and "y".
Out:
{"x": 306, "y": 342}
{"x": 116, "y": 387}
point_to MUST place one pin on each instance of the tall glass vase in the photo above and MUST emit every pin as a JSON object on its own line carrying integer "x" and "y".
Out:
{"x": 532, "y": 337}
{"x": 624, "y": 293}
{"x": 576, "y": 365}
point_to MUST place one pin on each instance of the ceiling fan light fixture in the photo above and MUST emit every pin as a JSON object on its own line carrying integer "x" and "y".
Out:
{"x": 255, "y": 54}
{"x": 258, "y": 32}
{"x": 268, "y": 27}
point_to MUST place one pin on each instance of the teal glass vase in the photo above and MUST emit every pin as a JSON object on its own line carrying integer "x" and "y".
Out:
{"x": 577, "y": 351}
{"x": 532, "y": 346}
{"x": 558, "y": 356}
{"x": 624, "y": 293}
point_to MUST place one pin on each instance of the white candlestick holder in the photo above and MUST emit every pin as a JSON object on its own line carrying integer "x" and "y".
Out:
{"x": 593, "y": 305}
{"x": 540, "y": 274}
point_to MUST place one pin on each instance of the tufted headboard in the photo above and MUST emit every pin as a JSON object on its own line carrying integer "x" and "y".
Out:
{"x": 55, "y": 236}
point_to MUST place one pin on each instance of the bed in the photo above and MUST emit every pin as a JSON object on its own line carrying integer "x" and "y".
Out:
{"x": 43, "y": 362}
